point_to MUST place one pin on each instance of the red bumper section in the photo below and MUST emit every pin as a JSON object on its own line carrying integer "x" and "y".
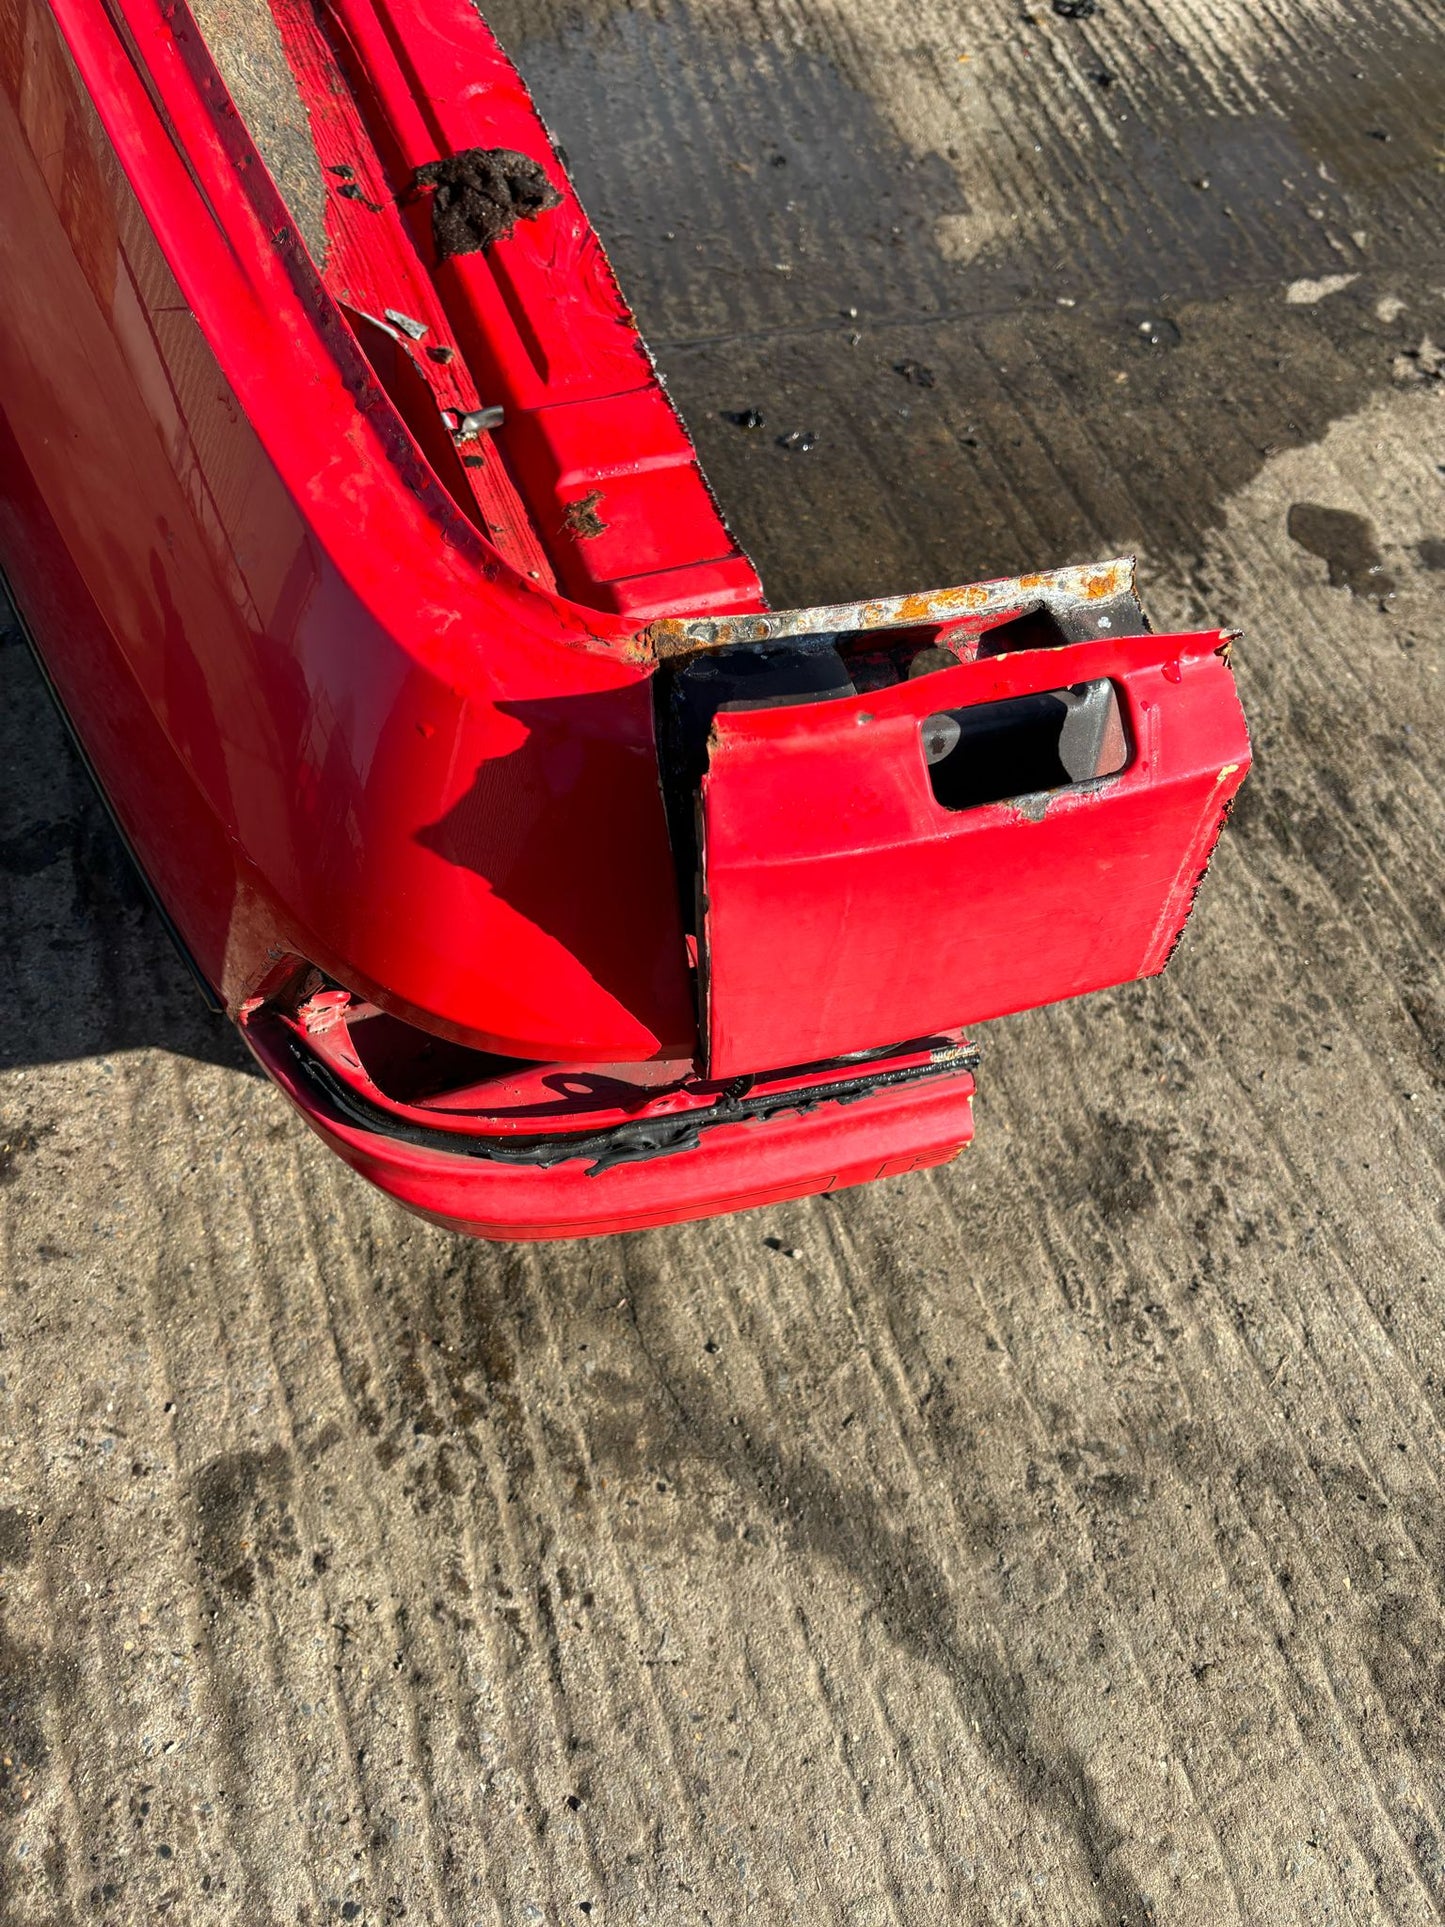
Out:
{"x": 897, "y": 824}
{"x": 972, "y": 842}
{"x": 514, "y": 1150}
{"x": 391, "y": 609}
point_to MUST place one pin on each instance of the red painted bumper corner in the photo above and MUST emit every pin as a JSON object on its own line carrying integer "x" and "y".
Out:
{"x": 736, "y": 1166}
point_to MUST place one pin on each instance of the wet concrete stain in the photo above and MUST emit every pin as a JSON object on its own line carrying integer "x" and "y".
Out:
{"x": 35, "y": 1684}
{"x": 1423, "y": 364}
{"x": 15, "y": 1537}
{"x": 20, "y": 1141}
{"x": 243, "y": 1519}
{"x": 1346, "y": 544}
{"x": 812, "y": 1512}
{"x": 24, "y": 1750}
{"x": 1116, "y": 1165}
{"x": 864, "y": 220}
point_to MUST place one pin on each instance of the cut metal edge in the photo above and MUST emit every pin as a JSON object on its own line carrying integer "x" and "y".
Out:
{"x": 1078, "y": 587}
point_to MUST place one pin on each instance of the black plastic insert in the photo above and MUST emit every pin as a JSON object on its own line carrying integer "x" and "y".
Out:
{"x": 1024, "y": 745}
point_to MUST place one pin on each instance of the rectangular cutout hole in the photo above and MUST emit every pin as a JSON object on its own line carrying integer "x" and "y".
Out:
{"x": 1024, "y": 745}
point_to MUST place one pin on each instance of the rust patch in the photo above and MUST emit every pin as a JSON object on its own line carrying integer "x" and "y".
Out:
{"x": 1100, "y": 587}
{"x": 914, "y": 608}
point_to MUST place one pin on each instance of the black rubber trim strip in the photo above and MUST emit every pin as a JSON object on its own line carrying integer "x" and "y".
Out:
{"x": 627, "y": 1143}
{"x": 213, "y": 1002}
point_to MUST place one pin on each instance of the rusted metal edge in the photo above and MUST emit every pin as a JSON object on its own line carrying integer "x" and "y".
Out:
{"x": 1075, "y": 592}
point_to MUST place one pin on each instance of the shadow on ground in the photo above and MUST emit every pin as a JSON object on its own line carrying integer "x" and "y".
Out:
{"x": 88, "y": 966}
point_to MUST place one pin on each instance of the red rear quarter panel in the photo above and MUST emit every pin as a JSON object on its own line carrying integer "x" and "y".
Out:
{"x": 331, "y": 723}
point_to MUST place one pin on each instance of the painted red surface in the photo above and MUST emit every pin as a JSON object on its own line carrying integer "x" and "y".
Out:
{"x": 539, "y": 320}
{"x": 363, "y": 705}
{"x": 823, "y": 1147}
{"x": 332, "y": 720}
{"x": 831, "y": 868}
{"x": 739, "y": 1165}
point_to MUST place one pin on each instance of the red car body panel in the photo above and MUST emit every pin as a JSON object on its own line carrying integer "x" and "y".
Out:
{"x": 373, "y": 702}
{"x": 879, "y": 900}
{"x": 300, "y": 678}
{"x": 716, "y": 1157}
{"x": 740, "y": 1167}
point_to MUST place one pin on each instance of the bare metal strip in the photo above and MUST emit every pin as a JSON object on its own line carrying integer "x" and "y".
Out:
{"x": 1062, "y": 591}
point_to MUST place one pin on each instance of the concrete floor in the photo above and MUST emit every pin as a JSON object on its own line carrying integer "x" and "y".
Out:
{"x": 1055, "y": 1538}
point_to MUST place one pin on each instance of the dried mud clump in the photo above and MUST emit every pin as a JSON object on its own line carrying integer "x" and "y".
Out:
{"x": 480, "y": 195}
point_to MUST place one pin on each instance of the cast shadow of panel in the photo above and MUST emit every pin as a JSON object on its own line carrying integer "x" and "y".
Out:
{"x": 87, "y": 966}
{"x": 568, "y": 829}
